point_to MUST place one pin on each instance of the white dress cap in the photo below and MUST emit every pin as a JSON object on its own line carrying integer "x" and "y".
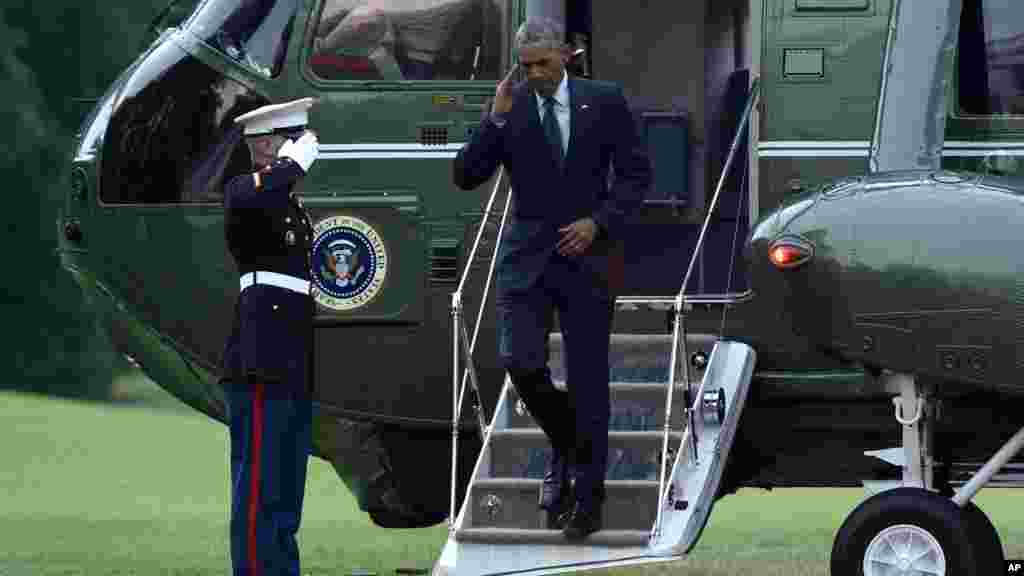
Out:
{"x": 266, "y": 120}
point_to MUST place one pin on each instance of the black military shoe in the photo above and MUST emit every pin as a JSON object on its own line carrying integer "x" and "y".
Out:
{"x": 582, "y": 521}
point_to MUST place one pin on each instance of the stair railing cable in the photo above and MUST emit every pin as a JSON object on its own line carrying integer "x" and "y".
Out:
{"x": 461, "y": 342}
{"x": 681, "y": 305}
{"x": 732, "y": 252}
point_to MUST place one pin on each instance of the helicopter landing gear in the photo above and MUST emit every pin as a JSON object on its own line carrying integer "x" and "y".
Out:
{"x": 904, "y": 531}
{"x": 911, "y": 526}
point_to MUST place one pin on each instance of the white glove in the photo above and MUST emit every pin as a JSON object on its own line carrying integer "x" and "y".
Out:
{"x": 303, "y": 151}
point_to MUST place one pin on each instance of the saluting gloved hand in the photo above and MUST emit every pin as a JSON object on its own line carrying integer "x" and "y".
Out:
{"x": 303, "y": 151}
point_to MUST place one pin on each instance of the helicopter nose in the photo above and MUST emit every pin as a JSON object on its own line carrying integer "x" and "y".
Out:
{"x": 770, "y": 280}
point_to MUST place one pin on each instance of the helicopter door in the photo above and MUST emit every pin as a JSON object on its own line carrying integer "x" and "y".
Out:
{"x": 687, "y": 100}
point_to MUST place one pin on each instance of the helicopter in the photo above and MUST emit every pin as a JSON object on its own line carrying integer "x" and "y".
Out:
{"x": 759, "y": 120}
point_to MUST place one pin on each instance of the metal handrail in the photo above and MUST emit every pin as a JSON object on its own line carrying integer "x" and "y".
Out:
{"x": 727, "y": 298}
{"x": 461, "y": 341}
{"x": 681, "y": 304}
{"x": 480, "y": 231}
{"x": 754, "y": 91}
{"x": 490, "y": 275}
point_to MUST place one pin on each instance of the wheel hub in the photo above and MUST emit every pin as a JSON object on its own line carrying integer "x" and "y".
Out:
{"x": 904, "y": 550}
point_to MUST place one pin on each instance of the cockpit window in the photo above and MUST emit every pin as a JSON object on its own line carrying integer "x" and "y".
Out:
{"x": 990, "y": 56}
{"x": 254, "y": 33}
{"x": 409, "y": 40}
{"x": 95, "y": 124}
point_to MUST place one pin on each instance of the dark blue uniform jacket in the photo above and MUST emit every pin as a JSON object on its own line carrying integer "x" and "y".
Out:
{"x": 267, "y": 230}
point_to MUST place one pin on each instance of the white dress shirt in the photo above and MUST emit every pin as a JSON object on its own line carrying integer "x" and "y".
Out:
{"x": 561, "y": 109}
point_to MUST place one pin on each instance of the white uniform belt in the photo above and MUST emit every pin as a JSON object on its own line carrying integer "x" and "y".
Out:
{"x": 274, "y": 279}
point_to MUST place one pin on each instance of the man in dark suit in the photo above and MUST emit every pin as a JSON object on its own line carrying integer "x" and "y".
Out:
{"x": 557, "y": 137}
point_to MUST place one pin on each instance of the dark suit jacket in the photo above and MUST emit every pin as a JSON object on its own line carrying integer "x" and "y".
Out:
{"x": 545, "y": 198}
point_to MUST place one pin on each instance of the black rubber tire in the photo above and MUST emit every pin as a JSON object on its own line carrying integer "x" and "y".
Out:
{"x": 985, "y": 540}
{"x": 927, "y": 510}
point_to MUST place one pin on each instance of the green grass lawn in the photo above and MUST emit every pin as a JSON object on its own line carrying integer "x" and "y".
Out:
{"x": 99, "y": 489}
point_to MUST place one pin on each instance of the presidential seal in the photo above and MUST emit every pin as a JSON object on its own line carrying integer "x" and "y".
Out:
{"x": 349, "y": 263}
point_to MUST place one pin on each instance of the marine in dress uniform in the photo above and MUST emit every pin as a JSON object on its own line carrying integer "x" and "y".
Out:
{"x": 268, "y": 354}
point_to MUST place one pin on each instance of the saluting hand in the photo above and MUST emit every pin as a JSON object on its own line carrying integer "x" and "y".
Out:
{"x": 303, "y": 150}
{"x": 503, "y": 95}
{"x": 577, "y": 237}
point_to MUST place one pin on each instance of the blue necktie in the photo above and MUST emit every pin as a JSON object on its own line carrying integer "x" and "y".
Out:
{"x": 551, "y": 130}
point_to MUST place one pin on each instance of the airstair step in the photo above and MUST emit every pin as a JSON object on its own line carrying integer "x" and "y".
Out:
{"x": 635, "y": 406}
{"x": 632, "y": 455}
{"x": 512, "y": 503}
{"x": 637, "y": 357}
{"x": 605, "y": 538}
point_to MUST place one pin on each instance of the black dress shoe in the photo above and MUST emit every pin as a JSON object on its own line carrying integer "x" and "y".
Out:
{"x": 582, "y": 521}
{"x": 556, "y": 520}
{"x": 562, "y": 521}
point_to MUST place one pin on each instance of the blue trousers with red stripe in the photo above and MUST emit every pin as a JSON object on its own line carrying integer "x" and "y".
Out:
{"x": 271, "y": 436}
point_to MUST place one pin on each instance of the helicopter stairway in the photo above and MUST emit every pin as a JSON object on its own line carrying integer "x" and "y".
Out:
{"x": 668, "y": 442}
{"x": 500, "y": 529}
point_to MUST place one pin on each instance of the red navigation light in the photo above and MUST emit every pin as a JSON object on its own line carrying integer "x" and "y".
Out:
{"x": 790, "y": 252}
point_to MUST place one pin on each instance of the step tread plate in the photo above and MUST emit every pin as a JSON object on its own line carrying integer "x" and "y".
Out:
{"x": 627, "y": 338}
{"x": 633, "y": 406}
{"x": 651, "y": 396}
{"x": 637, "y": 386}
{"x": 534, "y": 433}
{"x": 516, "y": 559}
{"x": 513, "y": 503}
{"x": 629, "y": 385}
{"x": 632, "y": 454}
{"x": 534, "y": 483}
{"x": 603, "y": 538}
{"x": 635, "y": 357}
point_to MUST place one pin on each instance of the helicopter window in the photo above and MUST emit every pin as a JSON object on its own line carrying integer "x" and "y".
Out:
{"x": 254, "y": 33}
{"x": 990, "y": 59}
{"x": 409, "y": 40}
{"x": 95, "y": 124}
